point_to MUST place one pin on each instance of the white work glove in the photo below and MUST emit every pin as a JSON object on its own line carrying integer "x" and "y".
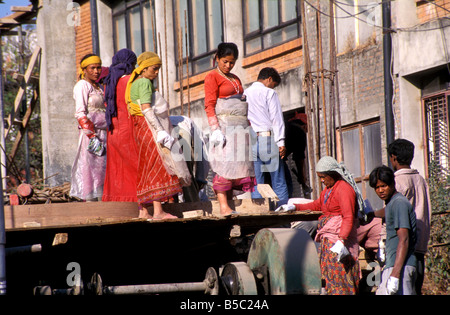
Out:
{"x": 392, "y": 285}
{"x": 217, "y": 138}
{"x": 165, "y": 139}
{"x": 285, "y": 208}
{"x": 340, "y": 249}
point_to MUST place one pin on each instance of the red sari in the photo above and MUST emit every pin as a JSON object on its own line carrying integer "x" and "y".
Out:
{"x": 153, "y": 181}
{"x": 121, "y": 164}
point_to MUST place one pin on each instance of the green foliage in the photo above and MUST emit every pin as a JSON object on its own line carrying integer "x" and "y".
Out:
{"x": 12, "y": 59}
{"x": 438, "y": 256}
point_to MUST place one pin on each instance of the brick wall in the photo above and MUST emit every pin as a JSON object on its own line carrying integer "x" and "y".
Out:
{"x": 427, "y": 11}
{"x": 361, "y": 84}
{"x": 83, "y": 34}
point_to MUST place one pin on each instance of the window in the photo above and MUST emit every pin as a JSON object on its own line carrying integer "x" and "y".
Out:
{"x": 204, "y": 23}
{"x": 134, "y": 26}
{"x": 437, "y": 108}
{"x": 268, "y": 23}
{"x": 362, "y": 153}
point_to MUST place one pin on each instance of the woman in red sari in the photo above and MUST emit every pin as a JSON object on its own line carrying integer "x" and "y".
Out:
{"x": 229, "y": 142}
{"x": 154, "y": 183}
{"x": 121, "y": 164}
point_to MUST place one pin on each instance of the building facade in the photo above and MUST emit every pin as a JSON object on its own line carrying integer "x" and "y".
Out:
{"x": 334, "y": 72}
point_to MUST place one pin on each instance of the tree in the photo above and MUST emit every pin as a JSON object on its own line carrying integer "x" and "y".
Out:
{"x": 15, "y": 58}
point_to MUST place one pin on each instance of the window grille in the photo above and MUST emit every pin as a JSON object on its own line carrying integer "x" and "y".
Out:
{"x": 437, "y": 130}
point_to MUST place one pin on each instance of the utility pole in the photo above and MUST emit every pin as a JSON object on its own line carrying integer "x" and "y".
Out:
{"x": 2, "y": 208}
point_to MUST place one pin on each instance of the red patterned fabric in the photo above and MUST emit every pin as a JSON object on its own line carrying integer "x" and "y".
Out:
{"x": 341, "y": 278}
{"x": 153, "y": 181}
{"x": 122, "y": 158}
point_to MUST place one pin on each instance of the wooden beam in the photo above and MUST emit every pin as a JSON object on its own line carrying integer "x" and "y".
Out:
{"x": 21, "y": 92}
{"x": 15, "y": 8}
{"x": 75, "y": 213}
{"x": 8, "y": 20}
{"x": 253, "y": 215}
{"x": 23, "y": 125}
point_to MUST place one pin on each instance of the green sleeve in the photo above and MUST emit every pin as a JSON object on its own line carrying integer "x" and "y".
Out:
{"x": 142, "y": 90}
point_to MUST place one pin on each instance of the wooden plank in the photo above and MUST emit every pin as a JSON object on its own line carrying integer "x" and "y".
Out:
{"x": 74, "y": 213}
{"x": 16, "y": 8}
{"x": 21, "y": 92}
{"x": 24, "y": 123}
{"x": 8, "y": 20}
{"x": 266, "y": 191}
{"x": 212, "y": 208}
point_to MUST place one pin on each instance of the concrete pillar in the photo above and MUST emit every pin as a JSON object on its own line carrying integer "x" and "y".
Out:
{"x": 105, "y": 33}
{"x": 56, "y": 37}
{"x": 168, "y": 70}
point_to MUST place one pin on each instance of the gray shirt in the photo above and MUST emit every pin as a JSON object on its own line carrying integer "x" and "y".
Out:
{"x": 399, "y": 214}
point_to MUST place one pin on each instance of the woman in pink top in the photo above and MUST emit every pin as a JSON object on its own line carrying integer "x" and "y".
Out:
{"x": 339, "y": 221}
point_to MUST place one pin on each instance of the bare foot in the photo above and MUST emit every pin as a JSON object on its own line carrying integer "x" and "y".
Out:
{"x": 143, "y": 214}
{"x": 163, "y": 216}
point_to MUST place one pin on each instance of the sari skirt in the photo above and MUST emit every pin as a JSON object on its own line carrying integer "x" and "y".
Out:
{"x": 153, "y": 181}
{"x": 341, "y": 278}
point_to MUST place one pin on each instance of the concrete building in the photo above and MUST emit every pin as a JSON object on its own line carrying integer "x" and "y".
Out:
{"x": 352, "y": 89}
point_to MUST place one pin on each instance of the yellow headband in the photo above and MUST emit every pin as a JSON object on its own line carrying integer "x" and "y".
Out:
{"x": 89, "y": 61}
{"x": 145, "y": 60}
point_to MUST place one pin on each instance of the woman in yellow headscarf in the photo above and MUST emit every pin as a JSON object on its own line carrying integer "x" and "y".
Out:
{"x": 88, "y": 170}
{"x": 156, "y": 182}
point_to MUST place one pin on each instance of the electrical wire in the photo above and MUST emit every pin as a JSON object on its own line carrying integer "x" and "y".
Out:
{"x": 385, "y": 29}
{"x": 437, "y": 5}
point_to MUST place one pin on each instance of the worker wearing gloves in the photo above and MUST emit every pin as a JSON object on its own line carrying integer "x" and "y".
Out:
{"x": 88, "y": 170}
{"x": 399, "y": 273}
{"x": 337, "y": 226}
{"x": 160, "y": 175}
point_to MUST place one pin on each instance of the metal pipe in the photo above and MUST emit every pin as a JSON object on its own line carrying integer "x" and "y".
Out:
{"x": 388, "y": 83}
{"x": 24, "y": 249}
{"x": 94, "y": 27}
{"x": 2, "y": 207}
{"x": 156, "y": 288}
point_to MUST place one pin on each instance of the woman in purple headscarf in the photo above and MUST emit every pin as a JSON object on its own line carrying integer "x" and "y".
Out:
{"x": 121, "y": 164}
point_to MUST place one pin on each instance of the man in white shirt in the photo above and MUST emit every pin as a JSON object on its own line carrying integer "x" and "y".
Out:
{"x": 268, "y": 132}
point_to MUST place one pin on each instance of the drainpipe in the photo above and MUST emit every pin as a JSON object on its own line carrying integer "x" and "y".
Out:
{"x": 94, "y": 27}
{"x": 388, "y": 83}
{"x": 2, "y": 207}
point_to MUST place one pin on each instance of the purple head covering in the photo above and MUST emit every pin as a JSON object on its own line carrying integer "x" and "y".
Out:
{"x": 123, "y": 63}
